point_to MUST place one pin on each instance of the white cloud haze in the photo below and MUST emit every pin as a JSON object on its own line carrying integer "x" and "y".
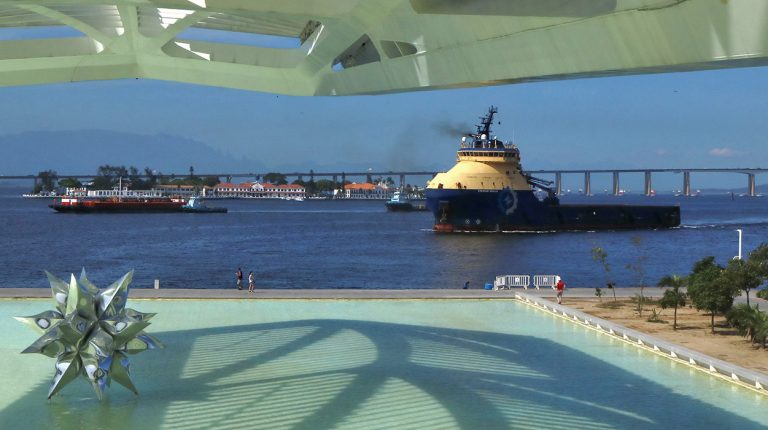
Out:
{"x": 722, "y": 152}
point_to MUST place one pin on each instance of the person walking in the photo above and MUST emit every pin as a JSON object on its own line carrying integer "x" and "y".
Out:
{"x": 239, "y": 276}
{"x": 560, "y": 287}
{"x": 251, "y": 282}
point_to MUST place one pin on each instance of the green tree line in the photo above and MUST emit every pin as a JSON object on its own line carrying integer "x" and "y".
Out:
{"x": 712, "y": 288}
{"x": 108, "y": 177}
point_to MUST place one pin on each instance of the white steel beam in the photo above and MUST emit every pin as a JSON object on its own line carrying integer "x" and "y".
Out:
{"x": 384, "y": 45}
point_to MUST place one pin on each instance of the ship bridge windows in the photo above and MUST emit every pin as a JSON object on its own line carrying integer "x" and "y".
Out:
{"x": 485, "y": 144}
{"x": 494, "y": 154}
{"x": 489, "y": 152}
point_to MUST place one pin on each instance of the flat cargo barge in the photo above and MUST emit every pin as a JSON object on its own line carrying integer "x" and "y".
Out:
{"x": 116, "y": 205}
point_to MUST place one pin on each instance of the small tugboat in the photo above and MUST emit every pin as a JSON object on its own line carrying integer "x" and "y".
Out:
{"x": 196, "y": 205}
{"x": 401, "y": 203}
{"x": 488, "y": 191}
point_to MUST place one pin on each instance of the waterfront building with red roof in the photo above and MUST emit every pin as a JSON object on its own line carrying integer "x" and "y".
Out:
{"x": 368, "y": 191}
{"x": 259, "y": 190}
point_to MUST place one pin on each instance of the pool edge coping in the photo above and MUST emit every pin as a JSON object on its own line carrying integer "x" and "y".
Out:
{"x": 743, "y": 377}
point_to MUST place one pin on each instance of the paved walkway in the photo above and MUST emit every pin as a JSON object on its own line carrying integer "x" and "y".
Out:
{"x": 342, "y": 294}
{"x": 350, "y": 294}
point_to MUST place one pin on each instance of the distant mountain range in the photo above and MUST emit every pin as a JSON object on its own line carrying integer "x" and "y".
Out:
{"x": 83, "y": 151}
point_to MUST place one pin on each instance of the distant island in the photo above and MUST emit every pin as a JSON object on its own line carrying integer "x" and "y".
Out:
{"x": 49, "y": 183}
{"x": 270, "y": 185}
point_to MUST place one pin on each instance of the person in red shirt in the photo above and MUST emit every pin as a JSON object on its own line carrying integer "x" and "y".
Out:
{"x": 560, "y": 287}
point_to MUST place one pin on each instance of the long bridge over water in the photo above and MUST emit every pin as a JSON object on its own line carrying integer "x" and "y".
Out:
{"x": 750, "y": 173}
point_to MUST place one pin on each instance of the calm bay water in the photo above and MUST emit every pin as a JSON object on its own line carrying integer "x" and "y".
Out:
{"x": 350, "y": 244}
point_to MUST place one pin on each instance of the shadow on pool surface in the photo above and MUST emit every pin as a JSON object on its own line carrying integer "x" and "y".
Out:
{"x": 317, "y": 374}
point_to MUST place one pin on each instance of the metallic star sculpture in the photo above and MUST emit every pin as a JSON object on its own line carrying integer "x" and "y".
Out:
{"x": 90, "y": 333}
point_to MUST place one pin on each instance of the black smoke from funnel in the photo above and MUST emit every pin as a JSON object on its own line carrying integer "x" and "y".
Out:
{"x": 404, "y": 152}
{"x": 409, "y": 152}
{"x": 450, "y": 129}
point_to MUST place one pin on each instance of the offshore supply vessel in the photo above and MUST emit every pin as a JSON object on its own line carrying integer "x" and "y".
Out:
{"x": 487, "y": 190}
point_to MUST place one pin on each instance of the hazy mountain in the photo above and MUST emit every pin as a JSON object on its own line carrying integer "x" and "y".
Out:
{"x": 83, "y": 151}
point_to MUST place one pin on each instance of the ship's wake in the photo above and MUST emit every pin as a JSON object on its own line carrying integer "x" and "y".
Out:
{"x": 725, "y": 224}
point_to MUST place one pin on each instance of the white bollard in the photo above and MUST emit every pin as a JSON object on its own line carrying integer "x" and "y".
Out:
{"x": 157, "y": 284}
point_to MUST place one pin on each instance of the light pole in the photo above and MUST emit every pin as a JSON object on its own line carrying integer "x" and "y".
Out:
{"x": 738, "y": 257}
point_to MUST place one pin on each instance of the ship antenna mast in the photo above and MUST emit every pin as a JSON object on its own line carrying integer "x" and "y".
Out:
{"x": 485, "y": 123}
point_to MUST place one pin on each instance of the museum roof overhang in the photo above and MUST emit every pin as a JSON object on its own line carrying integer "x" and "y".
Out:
{"x": 343, "y": 47}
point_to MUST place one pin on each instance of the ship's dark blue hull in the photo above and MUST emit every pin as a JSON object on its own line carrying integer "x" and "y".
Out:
{"x": 509, "y": 210}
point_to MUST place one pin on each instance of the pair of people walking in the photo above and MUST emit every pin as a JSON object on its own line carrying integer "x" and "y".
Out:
{"x": 251, "y": 280}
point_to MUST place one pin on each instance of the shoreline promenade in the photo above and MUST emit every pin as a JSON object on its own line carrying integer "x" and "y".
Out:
{"x": 344, "y": 294}
{"x": 359, "y": 294}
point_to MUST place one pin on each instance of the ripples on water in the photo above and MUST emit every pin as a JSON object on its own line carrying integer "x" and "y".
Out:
{"x": 350, "y": 244}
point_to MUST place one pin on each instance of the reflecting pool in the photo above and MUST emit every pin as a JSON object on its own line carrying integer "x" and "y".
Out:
{"x": 374, "y": 364}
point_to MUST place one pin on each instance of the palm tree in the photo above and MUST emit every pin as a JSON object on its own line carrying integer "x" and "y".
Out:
{"x": 744, "y": 319}
{"x": 749, "y": 322}
{"x": 673, "y": 297}
{"x": 761, "y": 329}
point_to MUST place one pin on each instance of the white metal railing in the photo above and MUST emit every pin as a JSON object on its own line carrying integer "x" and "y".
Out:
{"x": 524, "y": 281}
{"x": 545, "y": 281}
{"x": 509, "y": 281}
{"x": 124, "y": 193}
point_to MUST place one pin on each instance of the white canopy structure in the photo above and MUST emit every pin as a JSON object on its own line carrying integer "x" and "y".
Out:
{"x": 342, "y": 47}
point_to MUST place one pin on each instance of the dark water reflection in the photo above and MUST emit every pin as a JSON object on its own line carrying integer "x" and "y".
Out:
{"x": 350, "y": 244}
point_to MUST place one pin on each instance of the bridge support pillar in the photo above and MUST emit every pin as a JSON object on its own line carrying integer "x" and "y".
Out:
{"x": 616, "y": 186}
{"x": 402, "y": 182}
{"x": 648, "y": 183}
{"x": 558, "y": 183}
{"x": 587, "y": 184}
{"x": 686, "y": 183}
{"x": 751, "y": 185}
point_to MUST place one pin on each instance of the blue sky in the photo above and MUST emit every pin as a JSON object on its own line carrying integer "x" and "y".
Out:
{"x": 677, "y": 120}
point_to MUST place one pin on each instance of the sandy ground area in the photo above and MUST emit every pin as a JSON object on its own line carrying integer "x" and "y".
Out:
{"x": 693, "y": 329}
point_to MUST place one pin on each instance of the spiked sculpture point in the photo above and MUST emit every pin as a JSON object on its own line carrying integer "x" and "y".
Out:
{"x": 90, "y": 333}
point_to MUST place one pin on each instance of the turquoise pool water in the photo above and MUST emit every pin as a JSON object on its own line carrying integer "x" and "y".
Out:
{"x": 373, "y": 364}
